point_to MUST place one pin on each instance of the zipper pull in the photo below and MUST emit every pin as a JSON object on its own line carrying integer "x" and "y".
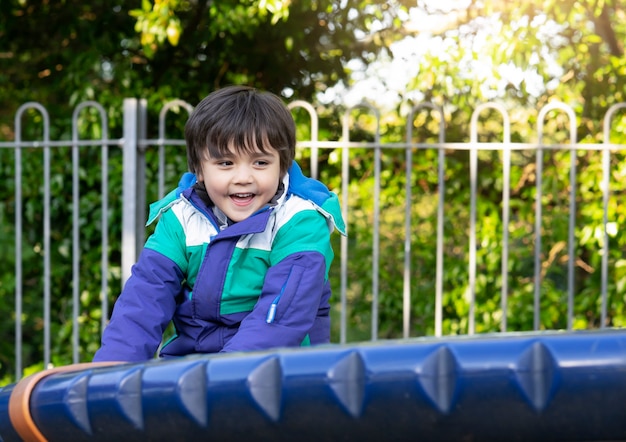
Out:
{"x": 272, "y": 311}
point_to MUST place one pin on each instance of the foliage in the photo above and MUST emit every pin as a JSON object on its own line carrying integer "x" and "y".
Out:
{"x": 61, "y": 53}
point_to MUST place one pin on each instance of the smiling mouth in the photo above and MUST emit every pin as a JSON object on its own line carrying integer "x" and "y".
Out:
{"x": 242, "y": 197}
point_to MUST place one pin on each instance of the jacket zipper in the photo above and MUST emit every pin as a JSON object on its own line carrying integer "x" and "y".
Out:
{"x": 271, "y": 314}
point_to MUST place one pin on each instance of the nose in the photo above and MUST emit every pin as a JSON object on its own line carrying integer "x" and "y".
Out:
{"x": 243, "y": 174}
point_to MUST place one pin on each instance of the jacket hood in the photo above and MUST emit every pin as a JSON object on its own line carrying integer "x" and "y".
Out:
{"x": 186, "y": 181}
{"x": 315, "y": 191}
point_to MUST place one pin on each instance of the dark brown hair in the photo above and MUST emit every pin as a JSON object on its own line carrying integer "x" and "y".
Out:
{"x": 247, "y": 118}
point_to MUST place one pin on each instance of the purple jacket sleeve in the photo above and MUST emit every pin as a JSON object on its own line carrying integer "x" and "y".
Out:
{"x": 288, "y": 306}
{"x": 142, "y": 311}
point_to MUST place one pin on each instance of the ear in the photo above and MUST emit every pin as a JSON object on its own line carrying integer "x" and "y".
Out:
{"x": 200, "y": 176}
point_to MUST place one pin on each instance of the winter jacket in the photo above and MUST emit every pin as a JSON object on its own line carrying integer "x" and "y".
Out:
{"x": 257, "y": 284}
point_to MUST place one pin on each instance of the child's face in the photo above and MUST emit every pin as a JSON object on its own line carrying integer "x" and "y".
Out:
{"x": 241, "y": 184}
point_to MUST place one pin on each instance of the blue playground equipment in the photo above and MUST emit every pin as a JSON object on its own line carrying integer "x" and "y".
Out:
{"x": 550, "y": 386}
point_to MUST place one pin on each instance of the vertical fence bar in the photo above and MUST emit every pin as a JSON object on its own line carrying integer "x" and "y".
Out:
{"x": 571, "y": 245}
{"x": 407, "y": 226}
{"x": 314, "y": 163}
{"x": 129, "y": 189}
{"x": 376, "y": 227}
{"x": 140, "y": 179}
{"x": 46, "y": 238}
{"x": 473, "y": 165}
{"x": 538, "y": 224}
{"x": 344, "y": 244}
{"x": 104, "y": 222}
{"x": 506, "y": 195}
{"x": 19, "y": 295}
{"x": 345, "y": 177}
{"x": 161, "y": 142}
{"x": 408, "y": 184}
{"x": 506, "y": 173}
{"x": 75, "y": 236}
{"x": 555, "y": 105}
{"x": 18, "y": 243}
{"x": 76, "y": 224}
{"x": 606, "y": 183}
{"x": 441, "y": 179}
{"x": 506, "y": 167}
{"x": 376, "y": 215}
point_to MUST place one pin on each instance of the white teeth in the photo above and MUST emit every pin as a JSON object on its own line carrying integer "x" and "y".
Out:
{"x": 243, "y": 195}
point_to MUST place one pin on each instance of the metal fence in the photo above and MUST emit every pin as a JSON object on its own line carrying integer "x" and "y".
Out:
{"x": 134, "y": 145}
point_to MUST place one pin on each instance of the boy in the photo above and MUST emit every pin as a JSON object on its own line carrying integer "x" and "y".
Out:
{"x": 240, "y": 256}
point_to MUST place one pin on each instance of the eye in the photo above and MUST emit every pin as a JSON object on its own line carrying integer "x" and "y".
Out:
{"x": 261, "y": 163}
{"x": 223, "y": 163}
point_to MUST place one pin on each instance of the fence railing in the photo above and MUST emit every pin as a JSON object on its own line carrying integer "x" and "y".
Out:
{"x": 138, "y": 151}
